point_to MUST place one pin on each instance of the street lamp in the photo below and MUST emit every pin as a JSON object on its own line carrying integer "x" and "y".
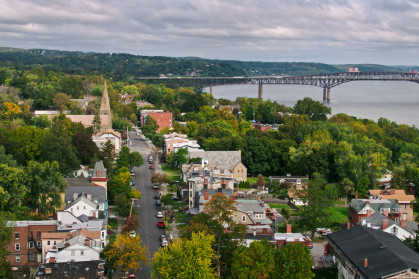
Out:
{"x": 132, "y": 203}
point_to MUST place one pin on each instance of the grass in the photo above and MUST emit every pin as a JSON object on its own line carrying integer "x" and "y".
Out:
{"x": 339, "y": 214}
{"x": 280, "y": 206}
{"x": 255, "y": 179}
{"x": 174, "y": 178}
{"x": 169, "y": 168}
{"x": 181, "y": 217}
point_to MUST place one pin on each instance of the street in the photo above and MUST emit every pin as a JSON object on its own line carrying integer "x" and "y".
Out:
{"x": 146, "y": 208}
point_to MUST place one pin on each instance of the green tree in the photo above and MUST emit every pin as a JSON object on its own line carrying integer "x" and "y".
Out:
{"x": 293, "y": 261}
{"x": 413, "y": 242}
{"x": 214, "y": 220}
{"x": 87, "y": 150}
{"x": 46, "y": 185}
{"x": 315, "y": 110}
{"x": 97, "y": 122}
{"x": 127, "y": 253}
{"x": 150, "y": 126}
{"x": 61, "y": 101}
{"x": 14, "y": 189}
{"x": 6, "y": 159}
{"x": 178, "y": 158}
{"x": 127, "y": 159}
{"x": 167, "y": 199}
{"x": 6, "y": 231}
{"x": 255, "y": 261}
{"x": 161, "y": 178}
{"x": 120, "y": 183}
{"x": 317, "y": 197}
{"x": 185, "y": 259}
{"x": 107, "y": 155}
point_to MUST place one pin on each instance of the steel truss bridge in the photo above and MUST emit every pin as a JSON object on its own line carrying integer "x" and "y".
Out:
{"x": 325, "y": 81}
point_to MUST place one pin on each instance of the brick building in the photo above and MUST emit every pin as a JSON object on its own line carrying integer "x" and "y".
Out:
{"x": 360, "y": 208}
{"x": 403, "y": 200}
{"x": 26, "y": 245}
{"x": 163, "y": 119}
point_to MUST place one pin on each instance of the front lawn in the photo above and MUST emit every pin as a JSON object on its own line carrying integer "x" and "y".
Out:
{"x": 280, "y": 206}
{"x": 255, "y": 179}
{"x": 339, "y": 215}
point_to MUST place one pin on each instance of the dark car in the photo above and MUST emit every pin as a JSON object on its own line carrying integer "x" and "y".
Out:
{"x": 161, "y": 224}
{"x": 157, "y": 196}
{"x": 158, "y": 203}
{"x": 176, "y": 198}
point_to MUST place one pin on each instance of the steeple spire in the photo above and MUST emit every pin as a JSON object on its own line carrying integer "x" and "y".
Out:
{"x": 105, "y": 108}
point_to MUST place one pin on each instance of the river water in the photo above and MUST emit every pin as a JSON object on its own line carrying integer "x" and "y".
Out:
{"x": 396, "y": 100}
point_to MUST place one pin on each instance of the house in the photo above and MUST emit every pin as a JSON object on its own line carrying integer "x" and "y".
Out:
{"x": 296, "y": 183}
{"x": 67, "y": 222}
{"x": 83, "y": 206}
{"x": 99, "y": 176}
{"x": 282, "y": 239}
{"x": 362, "y": 252}
{"x": 401, "y": 230}
{"x": 96, "y": 194}
{"x": 126, "y": 98}
{"x": 202, "y": 196}
{"x": 101, "y": 137}
{"x": 174, "y": 141}
{"x": 143, "y": 104}
{"x": 403, "y": 200}
{"x": 223, "y": 160}
{"x": 252, "y": 213}
{"x": 359, "y": 208}
{"x": 163, "y": 119}
{"x": 86, "y": 270}
{"x": 265, "y": 127}
{"x": 76, "y": 249}
{"x": 25, "y": 249}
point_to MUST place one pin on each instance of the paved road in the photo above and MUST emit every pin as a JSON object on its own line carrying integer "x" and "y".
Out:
{"x": 146, "y": 208}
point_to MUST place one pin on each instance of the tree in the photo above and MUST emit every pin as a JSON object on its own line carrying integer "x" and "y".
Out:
{"x": 214, "y": 220}
{"x": 46, "y": 185}
{"x": 86, "y": 148}
{"x": 13, "y": 187}
{"x": 127, "y": 253}
{"x": 9, "y": 110}
{"x": 185, "y": 259}
{"x": 6, "y": 159}
{"x": 131, "y": 224}
{"x": 293, "y": 261}
{"x": 120, "y": 183}
{"x": 178, "y": 158}
{"x": 107, "y": 155}
{"x": 413, "y": 242}
{"x": 260, "y": 181}
{"x": 127, "y": 159}
{"x": 348, "y": 187}
{"x": 317, "y": 198}
{"x": 150, "y": 126}
{"x": 97, "y": 122}
{"x": 161, "y": 178}
{"x": 255, "y": 261}
{"x": 315, "y": 110}
{"x": 61, "y": 101}
{"x": 167, "y": 199}
{"x": 5, "y": 239}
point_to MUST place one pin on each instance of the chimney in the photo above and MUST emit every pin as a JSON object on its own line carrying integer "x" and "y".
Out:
{"x": 262, "y": 204}
{"x": 403, "y": 224}
{"x": 206, "y": 195}
{"x": 289, "y": 228}
{"x": 385, "y": 224}
{"x": 66, "y": 244}
{"x": 367, "y": 202}
{"x": 356, "y": 195}
{"x": 89, "y": 197}
{"x": 258, "y": 198}
{"x": 348, "y": 226}
{"x": 202, "y": 163}
{"x": 365, "y": 263}
{"x": 75, "y": 196}
{"x": 52, "y": 260}
{"x": 48, "y": 270}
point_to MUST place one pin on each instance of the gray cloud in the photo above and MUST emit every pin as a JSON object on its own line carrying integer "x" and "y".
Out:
{"x": 329, "y": 31}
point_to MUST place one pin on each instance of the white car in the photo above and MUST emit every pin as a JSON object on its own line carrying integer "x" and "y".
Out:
{"x": 159, "y": 214}
{"x": 132, "y": 234}
{"x": 164, "y": 242}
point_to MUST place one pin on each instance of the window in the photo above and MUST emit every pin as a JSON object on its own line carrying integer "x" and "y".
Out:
{"x": 30, "y": 245}
{"x": 394, "y": 230}
{"x": 103, "y": 234}
{"x": 77, "y": 208}
{"x": 244, "y": 218}
{"x": 38, "y": 244}
{"x": 48, "y": 242}
{"x": 31, "y": 257}
{"x": 55, "y": 242}
{"x": 17, "y": 247}
{"x": 81, "y": 252}
{"x": 405, "y": 206}
{"x": 38, "y": 234}
{"x": 18, "y": 259}
{"x": 404, "y": 216}
{"x": 190, "y": 194}
{"x": 397, "y": 219}
{"x": 17, "y": 235}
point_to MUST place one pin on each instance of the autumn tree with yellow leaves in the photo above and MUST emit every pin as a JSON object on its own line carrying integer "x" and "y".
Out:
{"x": 127, "y": 253}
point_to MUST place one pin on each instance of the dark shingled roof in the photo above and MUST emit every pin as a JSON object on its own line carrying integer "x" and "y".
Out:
{"x": 87, "y": 270}
{"x": 98, "y": 193}
{"x": 386, "y": 254}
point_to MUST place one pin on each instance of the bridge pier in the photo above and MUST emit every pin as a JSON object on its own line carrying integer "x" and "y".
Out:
{"x": 328, "y": 94}
{"x": 324, "y": 94}
{"x": 260, "y": 91}
{"x": 211, "y": 90}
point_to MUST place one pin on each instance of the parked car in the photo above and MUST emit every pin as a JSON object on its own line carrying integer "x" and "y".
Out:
{"x": 132, "y": 182}
{"x": 151, "y": 167}
{"x": 159, "y": 214}
{"x": 161, "y": 224}
{"x": 310, "y": 243}
{"x": 176, "y": 198}
{"x": 323, "y": 231}
{"x": 132, "y": 173}
{"x": 164, "y": 242}
{"x": 132, "y": 234}
{"x": 156, "y": 185}
{"x": 158, "y": 203}
{"x": 163, "y": 236}
{"x": 157, "y": 196}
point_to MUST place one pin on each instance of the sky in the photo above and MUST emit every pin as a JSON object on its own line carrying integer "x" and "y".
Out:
{"x": 324, "y": 31}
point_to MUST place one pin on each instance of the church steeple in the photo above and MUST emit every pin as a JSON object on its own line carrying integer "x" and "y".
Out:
{"x": 105, "y": 108}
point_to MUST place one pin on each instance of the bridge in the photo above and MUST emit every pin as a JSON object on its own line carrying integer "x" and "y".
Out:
{"x": 325, "y": 81}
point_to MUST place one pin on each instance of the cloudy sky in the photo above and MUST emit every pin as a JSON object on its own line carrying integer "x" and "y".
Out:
{"x": 327, "y": 31}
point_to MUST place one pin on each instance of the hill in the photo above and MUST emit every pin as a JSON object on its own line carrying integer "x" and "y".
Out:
{"x": 122, "y": 66}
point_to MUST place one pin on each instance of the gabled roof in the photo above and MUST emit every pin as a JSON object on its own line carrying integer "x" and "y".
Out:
{"x": 386, "y": 254}
{"x": 99, "y": 166}
{"x": 375, "y": 204}
{"x": 98, "y": 193}
{"x": 82, "y": 199}
{"x": 399, "y": 195}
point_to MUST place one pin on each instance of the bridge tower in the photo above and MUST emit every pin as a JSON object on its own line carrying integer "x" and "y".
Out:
{"x": 326, "y": 94}
{"x": 260, "y": 91}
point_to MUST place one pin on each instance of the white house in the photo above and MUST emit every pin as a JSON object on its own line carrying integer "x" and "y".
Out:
{"x": 102, "y": 137}
{"x": 401, "y": 229}
{"x": 76, "y": 249}
{"x": 83, "y": 206}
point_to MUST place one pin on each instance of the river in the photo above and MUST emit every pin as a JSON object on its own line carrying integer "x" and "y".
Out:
{"x": 396, "y": 100}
